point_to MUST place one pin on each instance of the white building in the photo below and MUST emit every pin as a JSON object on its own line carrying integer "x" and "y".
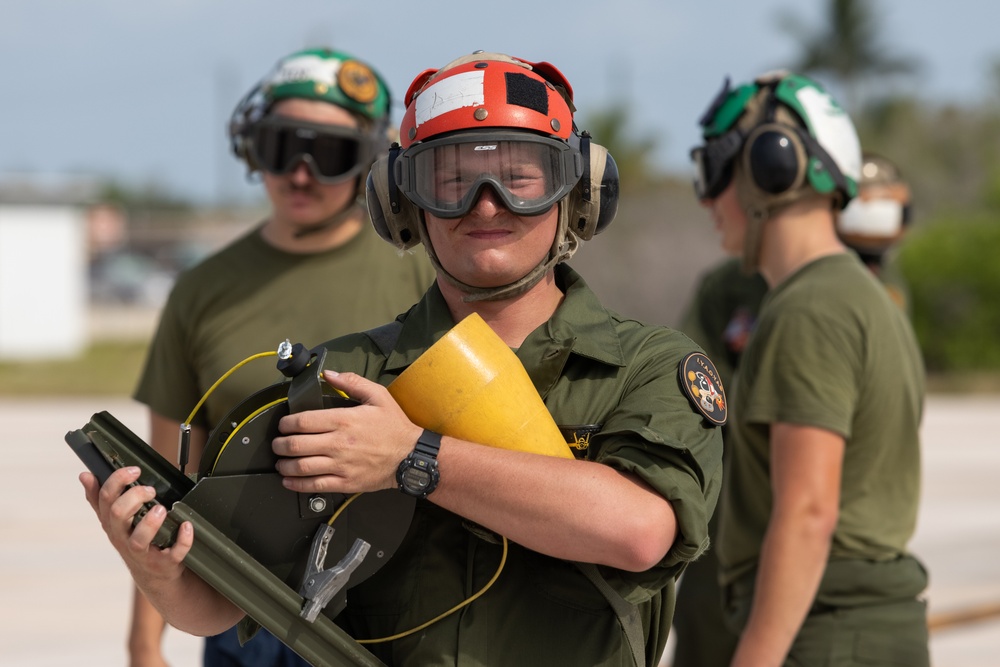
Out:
{"x": 43, "y": 268}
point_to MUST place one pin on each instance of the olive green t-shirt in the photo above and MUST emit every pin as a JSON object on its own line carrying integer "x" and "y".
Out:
{"x": 618, "y": 378}
{"x": 831, "y": 351}
{"x": 249, "y": 297}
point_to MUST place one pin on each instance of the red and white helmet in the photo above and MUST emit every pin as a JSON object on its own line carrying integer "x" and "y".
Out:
{"x": 492, "y": 106}
{"x": 880, "y": 215}
{"x": 487, "y": 91}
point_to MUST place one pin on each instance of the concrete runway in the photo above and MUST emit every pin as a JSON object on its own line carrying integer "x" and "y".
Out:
{"x": 66, "y": 595}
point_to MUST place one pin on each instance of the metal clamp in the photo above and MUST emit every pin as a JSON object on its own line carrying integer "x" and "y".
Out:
{"x": 319, "y": 586}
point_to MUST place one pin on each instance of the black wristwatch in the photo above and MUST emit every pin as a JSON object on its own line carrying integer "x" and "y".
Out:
{"x": 417, "y": 474}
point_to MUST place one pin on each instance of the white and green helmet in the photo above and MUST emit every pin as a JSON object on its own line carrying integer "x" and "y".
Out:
{"x": 329, "y": 76}
{"x": 782, "y": 137}
{"x": 320, "y": 74}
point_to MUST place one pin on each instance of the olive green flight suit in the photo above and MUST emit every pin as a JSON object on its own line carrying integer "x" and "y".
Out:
{"x": 598, "y": 373}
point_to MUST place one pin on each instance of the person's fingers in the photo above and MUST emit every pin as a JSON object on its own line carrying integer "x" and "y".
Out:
{"x": 305, "y": 466}
{"x": 141, "y": 538}
{"x": 91, "y": 488}
{"x": 185, "y": 539}
{"x": 318, "y": 484}
{"x": 127, "y": 505}
{"x": 311, "y": 421}
{"x": 116, "y": 483}
{"x": 357, "y": 387}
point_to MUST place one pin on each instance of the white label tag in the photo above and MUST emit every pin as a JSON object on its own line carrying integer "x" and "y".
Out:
{"x": 307, "y": 68}
{"x": 455, "y": 92}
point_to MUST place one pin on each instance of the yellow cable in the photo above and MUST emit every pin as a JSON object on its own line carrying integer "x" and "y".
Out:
{"x": 221, "y": 379}
{"x": 496, "y": 575}
{"x": 342, "y": 507}
{"x": 259, "y": 355}
{"x": 241, "y": 425}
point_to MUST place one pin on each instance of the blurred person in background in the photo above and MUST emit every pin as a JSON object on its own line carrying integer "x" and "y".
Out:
{"x": 721, "y": 316}
{"x": 876, "y": 220}
{"x": 314, "y": 268}
{"x": 497, "y": 183}
{"x": 823, "y": 456}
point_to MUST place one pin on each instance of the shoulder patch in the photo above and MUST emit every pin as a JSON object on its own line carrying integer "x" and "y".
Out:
{"x": 703, "y": 387}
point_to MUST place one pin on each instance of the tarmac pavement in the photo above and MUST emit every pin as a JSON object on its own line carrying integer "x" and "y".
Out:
{"x": 65, "y": 595}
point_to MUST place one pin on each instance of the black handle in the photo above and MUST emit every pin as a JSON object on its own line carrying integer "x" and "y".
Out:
{"x": 80, "y": 443}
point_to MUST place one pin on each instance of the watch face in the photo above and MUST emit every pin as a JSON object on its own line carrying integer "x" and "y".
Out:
{"x": 415, "y": 479}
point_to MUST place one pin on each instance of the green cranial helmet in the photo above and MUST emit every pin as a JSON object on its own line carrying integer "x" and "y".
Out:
{"x": 329, "y": 76}
{"x": 320, "y": 74}
{"x": 782, "y": 137}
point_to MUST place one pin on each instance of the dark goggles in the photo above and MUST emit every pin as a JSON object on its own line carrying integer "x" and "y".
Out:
{"x": 332, "y": 153}
{"x": 714, "y": 164}
{"x": 528, "y": 172}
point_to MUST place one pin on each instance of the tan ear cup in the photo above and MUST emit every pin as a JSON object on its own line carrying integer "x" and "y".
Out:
{"x": 393, "y": 215}
{"x": 594, "y": 202}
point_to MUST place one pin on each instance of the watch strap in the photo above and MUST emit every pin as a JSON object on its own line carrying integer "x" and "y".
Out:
{"x": 428, "y": 444}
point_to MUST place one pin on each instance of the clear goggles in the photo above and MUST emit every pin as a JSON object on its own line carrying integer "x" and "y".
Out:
{"x": 713, "y": 164}
{"x": 331, "y": 152}
{"x": 529, "y": 173}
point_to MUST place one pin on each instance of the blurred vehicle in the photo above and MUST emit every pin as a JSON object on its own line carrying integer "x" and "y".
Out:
{"x": 126, "y": 277}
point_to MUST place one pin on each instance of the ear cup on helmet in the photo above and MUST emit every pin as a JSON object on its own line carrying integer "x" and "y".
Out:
{"x": 609, "y": 186}
{"x": 392, "y": 214}
{"x": 594, "y": 201}
{"x": 775, "y": 158}
{"x": 376, "y": 203}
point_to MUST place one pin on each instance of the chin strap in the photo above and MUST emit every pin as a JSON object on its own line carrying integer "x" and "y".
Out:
{"x": 332, "y": 221}
{"x": 564, "y": 245}
{"x": 752, "y": 241}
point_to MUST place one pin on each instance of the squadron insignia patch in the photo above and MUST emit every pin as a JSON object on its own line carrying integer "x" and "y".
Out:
{"x": 703, "y": 387}
{"x": 357, "y": 81}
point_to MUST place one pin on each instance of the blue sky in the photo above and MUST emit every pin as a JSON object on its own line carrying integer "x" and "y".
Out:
{"x": 141, "y": 91}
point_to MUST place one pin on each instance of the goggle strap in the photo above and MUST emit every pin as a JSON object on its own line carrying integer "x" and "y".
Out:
{"x": 242, "y": 119}
{"x": 394, "y": 205}
{"x": 585, "y": 155}
{"x": 720, "y": 151}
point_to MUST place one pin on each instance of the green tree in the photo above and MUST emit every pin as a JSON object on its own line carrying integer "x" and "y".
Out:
{"x": 953, "y": 275}
{"x": 947, "y": 153}
{"x": 846, "y": 48}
